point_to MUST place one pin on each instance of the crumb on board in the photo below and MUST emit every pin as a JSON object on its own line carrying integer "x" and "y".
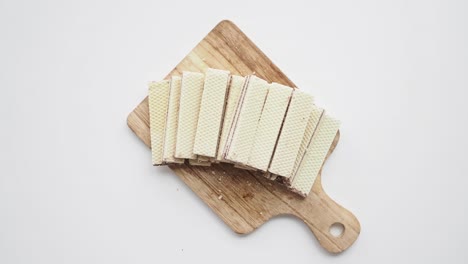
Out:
{"x": 220, "y": 197}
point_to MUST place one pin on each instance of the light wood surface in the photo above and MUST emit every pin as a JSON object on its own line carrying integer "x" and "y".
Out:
{"x": 243, "y": 200}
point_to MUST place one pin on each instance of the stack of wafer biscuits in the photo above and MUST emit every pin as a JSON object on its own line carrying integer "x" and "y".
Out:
{"x": 214, "y": 117}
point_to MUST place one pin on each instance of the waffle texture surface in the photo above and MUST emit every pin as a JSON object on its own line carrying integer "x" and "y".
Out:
{"x": 158, "y": 99}
{"x": 211, "y": 112}
{"x": 292, "y": 133}
{"x": 190, "y": 99}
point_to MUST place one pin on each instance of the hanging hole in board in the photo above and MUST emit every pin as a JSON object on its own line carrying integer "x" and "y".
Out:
{"x": 337, "y": 229}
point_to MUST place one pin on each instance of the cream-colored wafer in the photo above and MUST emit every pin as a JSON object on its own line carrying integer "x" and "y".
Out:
{"x": 315, "y": 155}
{"x": 211, "y": 112}
{"x": 200, "y": 161}
{"x": 203, "y": 158}
{"x": 269, "y": 126}
{"x": 172, "y": 121}
{"x": 312, "y": 124}
{"x": 234, "y": 92}
{"x": 158, "y": 99}
{"x": 190, "y": 98}
{"x": 245, "y": 125}
{"x": 292, "y": 133}
{"x": 235, "y": 118}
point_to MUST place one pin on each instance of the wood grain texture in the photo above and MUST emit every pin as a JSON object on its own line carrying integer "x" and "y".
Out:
{"x": 242, "y": 199}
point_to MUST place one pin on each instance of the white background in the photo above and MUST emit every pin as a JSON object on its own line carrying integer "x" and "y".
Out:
{"x": 77, "y": 186}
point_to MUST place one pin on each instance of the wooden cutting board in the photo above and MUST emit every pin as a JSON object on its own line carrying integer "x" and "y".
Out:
{"x": 242, "y": 199}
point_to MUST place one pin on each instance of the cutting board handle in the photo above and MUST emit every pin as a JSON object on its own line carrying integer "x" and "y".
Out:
{"x": 325, "y": 217}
